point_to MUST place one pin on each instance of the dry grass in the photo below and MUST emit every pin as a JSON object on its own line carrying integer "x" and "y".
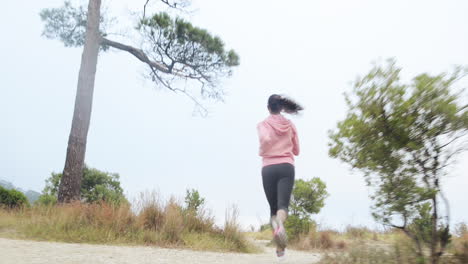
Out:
{"x": 153, "y": 222}
{"x": 351, "y": 237}
{"x": 232, "y": 231}
{"x": 319, "y": 240}
{"x": 391, "y": 247}
{"x": 459, "y": 247}
{"x": 265, "y": 234}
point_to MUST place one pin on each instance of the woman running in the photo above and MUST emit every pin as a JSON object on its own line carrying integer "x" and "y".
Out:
{"x": 278, "y": 145}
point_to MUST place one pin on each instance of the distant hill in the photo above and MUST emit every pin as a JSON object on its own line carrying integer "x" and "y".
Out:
{"x": 6, "y": 185}
{"x": 30, "y": 194}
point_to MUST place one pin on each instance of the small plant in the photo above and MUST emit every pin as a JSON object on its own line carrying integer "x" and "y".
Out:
{"x": 193, "y": 200}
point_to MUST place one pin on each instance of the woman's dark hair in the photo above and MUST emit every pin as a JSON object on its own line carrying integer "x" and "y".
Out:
{"x": 278, "y": 103}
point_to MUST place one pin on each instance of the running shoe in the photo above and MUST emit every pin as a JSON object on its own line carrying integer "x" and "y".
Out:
{"x": 281, "y": 254}
{"x": 280, "y": 237}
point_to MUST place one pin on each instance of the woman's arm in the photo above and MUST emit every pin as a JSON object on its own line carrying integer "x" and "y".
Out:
{"x": 264, "y": 137}
{"x": 295, "y": 140}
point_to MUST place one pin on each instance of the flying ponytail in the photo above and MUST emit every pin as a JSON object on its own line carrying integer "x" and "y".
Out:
{"x": 278, "y": 103}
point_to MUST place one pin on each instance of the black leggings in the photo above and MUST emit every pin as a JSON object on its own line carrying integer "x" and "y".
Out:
{"x": 278, "y": 182}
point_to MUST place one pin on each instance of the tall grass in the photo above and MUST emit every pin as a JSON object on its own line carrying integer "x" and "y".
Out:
{"x": 232, "y": 231}
{"x": 152, "y": 221}
{"x": 350, "y": 237}
{"x": 391, "y": 247}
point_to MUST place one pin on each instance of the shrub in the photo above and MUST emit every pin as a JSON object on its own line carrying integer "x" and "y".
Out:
{"x": 308, "y": 197}
{"x": 96, "y": 186}
{"x": 151, "y": 215}
{"x": 196, "y": 217}
{"x": 326, "y": 240}
{"x": 296, "y": 225}
{"x": 173, "y": 222}
{"x": 193, "y": 200}
{"x": 12, "y": 198}
{"x": 46, "y": 200}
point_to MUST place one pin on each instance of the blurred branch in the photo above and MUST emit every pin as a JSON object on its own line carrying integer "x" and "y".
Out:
{"x": 144, "y": 8}
{"x": 176, "y": 4}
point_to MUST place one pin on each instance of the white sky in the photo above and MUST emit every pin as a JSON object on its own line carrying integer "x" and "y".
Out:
{"x": 310, "y": 50}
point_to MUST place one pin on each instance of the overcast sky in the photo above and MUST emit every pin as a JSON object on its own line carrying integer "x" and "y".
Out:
{"x": 310, "y": 50}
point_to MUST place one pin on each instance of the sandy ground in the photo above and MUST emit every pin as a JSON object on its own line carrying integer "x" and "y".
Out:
{"x": 33, "y": 252}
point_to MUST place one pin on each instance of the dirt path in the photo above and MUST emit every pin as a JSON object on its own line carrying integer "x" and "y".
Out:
{"x": 33, "y": 252}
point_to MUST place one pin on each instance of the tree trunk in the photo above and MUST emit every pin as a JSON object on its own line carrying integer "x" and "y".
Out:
{"x": 435, "y": 237}
{"x": 70, "y": 184}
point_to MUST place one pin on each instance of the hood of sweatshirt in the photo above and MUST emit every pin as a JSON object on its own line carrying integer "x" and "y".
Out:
{"x": 279, "y": 123}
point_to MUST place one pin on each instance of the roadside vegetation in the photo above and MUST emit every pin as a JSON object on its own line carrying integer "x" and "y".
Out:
{"x": 104, "y": 216}
{"x": 362, "y": 245}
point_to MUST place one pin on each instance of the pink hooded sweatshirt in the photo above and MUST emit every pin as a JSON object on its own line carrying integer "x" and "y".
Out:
{"x": 278, "y": 140}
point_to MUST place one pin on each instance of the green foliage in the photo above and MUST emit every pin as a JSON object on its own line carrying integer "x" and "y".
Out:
{"x": 308, "y": 197}
{"x": 12, "y": 198}
{"x": 193, "y": 200}
{"x": 31, "y": 195}
{"x": 403, "y": 137}
{"x": 67, "y": 23}
{"x": 296, "y": 225}
{"x": 422, "y": 223}
{"x": 195, "y": 43}
{"x": 186, "y": 51}
{"x": 95, "y": 186}
{"x": 46, "y": 200}
{"x": 173, "y": 48}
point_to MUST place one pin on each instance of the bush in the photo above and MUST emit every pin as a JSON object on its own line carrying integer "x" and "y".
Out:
{"x": 193, "y": 200}
{"x": 12, "y": 198}
{"x": 308, "y": 197}
{"x": 296, "y": 225}
{"x": 173, "y": 222}
{"x": 46, "y": 200}
{"x": 96, "y": 186}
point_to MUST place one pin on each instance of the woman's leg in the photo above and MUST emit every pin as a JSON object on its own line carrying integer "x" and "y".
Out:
{"x": 285, "y": 186}
{"x": 278, "y": 181}
{"x": 271, "y": 191}
{"x": 284, "y": 190}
